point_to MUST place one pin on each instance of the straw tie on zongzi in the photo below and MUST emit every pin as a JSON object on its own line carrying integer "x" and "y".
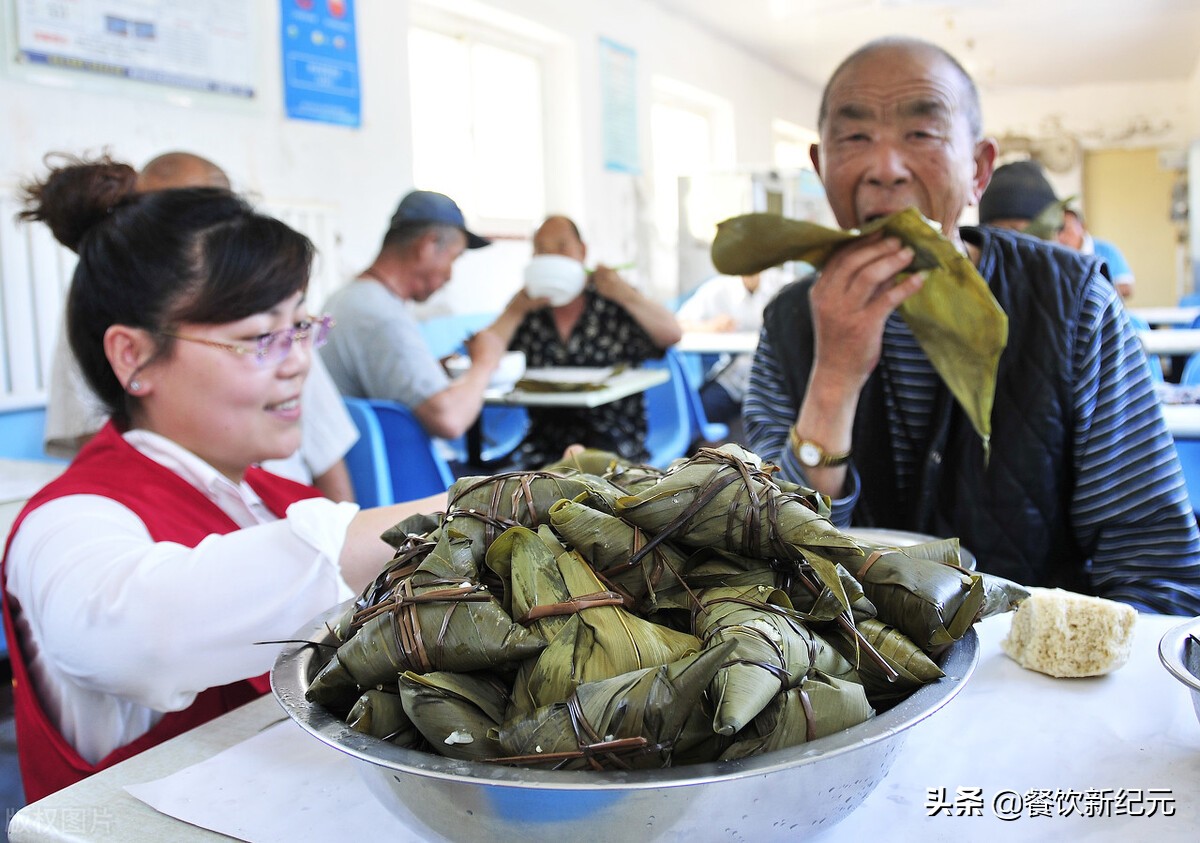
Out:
{"x": 628, "y": 721}
{"x": 774, "y": 651}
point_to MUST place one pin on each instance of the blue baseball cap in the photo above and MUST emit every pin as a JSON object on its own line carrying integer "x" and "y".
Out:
{"x": 426, "y": 206}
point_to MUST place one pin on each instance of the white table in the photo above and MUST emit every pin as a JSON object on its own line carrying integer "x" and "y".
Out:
{"x": 1008, "y": 730}
{"x": 1166, "y": 315}
{"x": 1171, "y": 341}
{"x": 718, "y": 342}
{"x": 19, "y": 479}
{"x": 620, "y": 385}
{"x": 1183, "y": 420}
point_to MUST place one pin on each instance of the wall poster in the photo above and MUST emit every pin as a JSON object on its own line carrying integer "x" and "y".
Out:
{"x": 205, "y": 46}
{"x": 320, "y": 61}
{"x": 618, "y": 101}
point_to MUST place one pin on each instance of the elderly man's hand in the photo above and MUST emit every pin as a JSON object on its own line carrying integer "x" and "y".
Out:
{"x": 851, "y": 301}
{"x": 486, "y": 348}
{"x": 606, "y": 282}
{"x": 522, "y": 303}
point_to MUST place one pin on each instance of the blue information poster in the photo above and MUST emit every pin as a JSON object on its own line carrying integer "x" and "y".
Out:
{"x": 320, "y": 61}
{"x": 618, "y": 102}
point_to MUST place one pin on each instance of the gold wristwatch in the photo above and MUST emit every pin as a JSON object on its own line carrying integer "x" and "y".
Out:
{"x": 813, "y": 455}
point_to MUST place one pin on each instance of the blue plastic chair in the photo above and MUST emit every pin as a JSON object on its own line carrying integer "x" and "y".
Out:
{"x": 394, "y": 458}
{"x": 502, "y": 429}
{"x": 22, "y": 433}
{"x": 1191, "y": 371}
{"x": 669, "y": 425}
{"x": 1154, "y": 361}
{"x": 1189, "y": 460}
{"x": 366, "y": 461}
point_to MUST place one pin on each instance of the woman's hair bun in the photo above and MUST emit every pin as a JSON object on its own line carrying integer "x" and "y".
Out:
{"x": 77, "y": 194}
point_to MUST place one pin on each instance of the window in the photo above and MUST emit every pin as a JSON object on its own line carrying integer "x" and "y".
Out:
{"x": 691, "y": 134}
{"x": 478, "y": 127}
{"x": 791, "y": 144}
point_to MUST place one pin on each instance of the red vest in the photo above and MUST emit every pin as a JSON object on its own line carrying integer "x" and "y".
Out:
{"x": 172, "y": 510}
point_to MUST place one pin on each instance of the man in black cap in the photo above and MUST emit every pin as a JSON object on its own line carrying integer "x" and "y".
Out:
{"x": 379, "y": 351}
{"x": 1016, "y": 195}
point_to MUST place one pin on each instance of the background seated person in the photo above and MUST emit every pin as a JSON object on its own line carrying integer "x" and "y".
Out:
{"x": 141, "y": 585}
{"x": 1075, "y": 234}
{"x": 378, "y": 350}
{"x": 74, "y": 413}
{"x": 609, "y": 322}
{"x": 1016, "y": 194}
{"x": 721, "y": 304}
{"x": 1011, "y": 201}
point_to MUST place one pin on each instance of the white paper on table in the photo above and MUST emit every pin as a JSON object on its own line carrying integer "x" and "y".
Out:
{"x": 279, "y": 785}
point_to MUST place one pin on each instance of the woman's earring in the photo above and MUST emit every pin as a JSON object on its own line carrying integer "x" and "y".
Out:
{"x": 135, "y": 385}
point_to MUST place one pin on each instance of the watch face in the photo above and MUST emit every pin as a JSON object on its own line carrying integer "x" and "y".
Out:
{"x": 809, "y": 454}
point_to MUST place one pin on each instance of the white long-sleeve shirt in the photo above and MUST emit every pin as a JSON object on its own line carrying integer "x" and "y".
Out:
{"x": 118, "y": 629}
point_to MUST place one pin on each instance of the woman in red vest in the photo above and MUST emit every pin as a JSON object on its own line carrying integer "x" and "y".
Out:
{"x": 139, "y": 584}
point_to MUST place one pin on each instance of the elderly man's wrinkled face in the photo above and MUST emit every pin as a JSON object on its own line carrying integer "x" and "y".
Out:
{"x": 897, "y": 133}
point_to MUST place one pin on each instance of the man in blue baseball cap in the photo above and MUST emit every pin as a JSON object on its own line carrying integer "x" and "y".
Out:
{"x": 379, "y": 351}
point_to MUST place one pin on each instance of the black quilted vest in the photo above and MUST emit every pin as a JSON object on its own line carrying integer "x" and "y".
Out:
{"x": 1014, "y": 513}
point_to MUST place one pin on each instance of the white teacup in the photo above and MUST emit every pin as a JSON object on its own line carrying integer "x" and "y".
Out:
{"x": 554, "y": 277}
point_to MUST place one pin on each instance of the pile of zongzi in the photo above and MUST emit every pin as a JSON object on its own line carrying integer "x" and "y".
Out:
{"x": 602, "y": 615}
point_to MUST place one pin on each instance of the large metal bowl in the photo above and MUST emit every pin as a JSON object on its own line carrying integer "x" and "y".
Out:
{"x": 1179, "y": 651}
{"x": 775, "y": 796}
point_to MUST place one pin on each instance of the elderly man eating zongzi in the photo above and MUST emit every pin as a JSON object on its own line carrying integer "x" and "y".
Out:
{"x": 1069, "y": 476}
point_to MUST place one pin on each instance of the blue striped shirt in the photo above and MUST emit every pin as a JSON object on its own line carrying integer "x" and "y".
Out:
{"x": 1129, "y": 501}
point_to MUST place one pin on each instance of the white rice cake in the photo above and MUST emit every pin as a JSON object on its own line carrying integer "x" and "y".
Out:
{"x": 1061, "y": 633}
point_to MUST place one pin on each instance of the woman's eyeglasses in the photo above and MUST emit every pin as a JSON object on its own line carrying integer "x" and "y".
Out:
{"x": 272, "y": 348}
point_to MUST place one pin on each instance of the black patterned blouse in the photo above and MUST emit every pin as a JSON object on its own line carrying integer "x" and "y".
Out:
{"x": 605, "y": 335}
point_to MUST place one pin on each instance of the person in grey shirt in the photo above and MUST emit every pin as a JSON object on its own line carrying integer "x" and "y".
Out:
{"x": 378, "y": 351}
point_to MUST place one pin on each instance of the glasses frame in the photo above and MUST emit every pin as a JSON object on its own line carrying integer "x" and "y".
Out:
{"x": 316, "y": 329}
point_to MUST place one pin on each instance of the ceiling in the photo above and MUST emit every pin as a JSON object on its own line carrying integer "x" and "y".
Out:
{"x": 1002, "y": 43}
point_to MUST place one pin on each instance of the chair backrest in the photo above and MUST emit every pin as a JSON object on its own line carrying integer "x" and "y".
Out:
{"x": 367, "y": 460}
{"x": 1191, "y": 371}
{"x": 1139, "y": 323}
{"x": 669, "y": 426}
{"x": 416, "y": 466}
{"x": 22, "y": 433}
{"x": 394, "y": 458}
{"x": 1189, "y": 460}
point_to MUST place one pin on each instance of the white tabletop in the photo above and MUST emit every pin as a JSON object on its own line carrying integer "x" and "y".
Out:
{"x": 1171, "y": 340}
{"x": 1130, "y": 739}
{"x": 1167, "y": 315}
{"x": 718, "y": 342}
{"x": 621, "y": 385}
{"x": 1183, "y": 420}
{"x": 19, "y": 479}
